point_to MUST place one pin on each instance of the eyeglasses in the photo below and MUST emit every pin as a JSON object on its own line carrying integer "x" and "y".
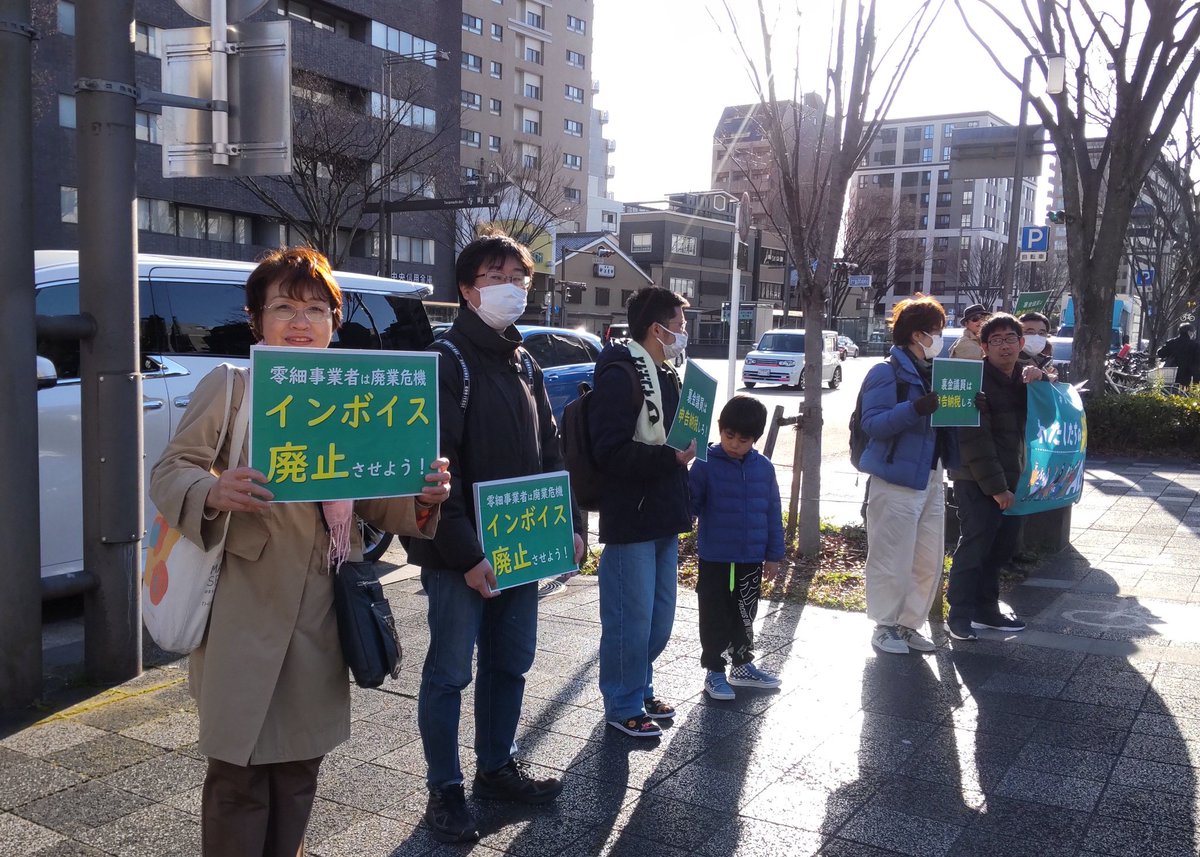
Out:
{"x": 997, "y": 341}
{"x": 287, "y": 312}
{"x": 495, "y": 278}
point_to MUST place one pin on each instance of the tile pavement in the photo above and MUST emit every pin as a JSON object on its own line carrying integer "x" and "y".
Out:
{"x": 1079, "y": 737}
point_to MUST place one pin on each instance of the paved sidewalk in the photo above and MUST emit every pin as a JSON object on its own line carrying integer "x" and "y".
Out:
{"x": 1078, "y": 737}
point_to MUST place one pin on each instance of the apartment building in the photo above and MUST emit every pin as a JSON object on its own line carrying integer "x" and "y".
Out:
{"x": 952, "y": 232}
{"x": 526, "y": 99}
{"x": 342, "y": 56}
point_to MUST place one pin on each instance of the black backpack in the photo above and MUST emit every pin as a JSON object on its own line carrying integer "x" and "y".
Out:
{"x": 858, "y": 437}
{"x": 576, "y": 440}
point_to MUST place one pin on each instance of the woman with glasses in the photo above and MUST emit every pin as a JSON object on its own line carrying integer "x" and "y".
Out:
{"x": 269, "y": 680}
{"x": 968, "y": 347}
{"x": 905, "y": 456}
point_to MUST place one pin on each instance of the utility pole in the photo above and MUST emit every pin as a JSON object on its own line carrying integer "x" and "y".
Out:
{"x": 21, "y": 604}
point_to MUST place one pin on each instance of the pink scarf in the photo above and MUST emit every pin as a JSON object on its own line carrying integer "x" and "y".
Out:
{"x": 339, "y": 516}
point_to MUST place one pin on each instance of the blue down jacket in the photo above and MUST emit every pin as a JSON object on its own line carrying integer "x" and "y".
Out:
{"x": 902, "y": 442}
{"x": 737, "y": 502}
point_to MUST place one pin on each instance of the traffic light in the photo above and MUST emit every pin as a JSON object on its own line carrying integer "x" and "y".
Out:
{"x": 1056, "y": 216}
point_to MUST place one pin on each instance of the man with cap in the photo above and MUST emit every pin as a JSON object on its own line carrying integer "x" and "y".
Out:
{"x": 968, "y": 346}
{"x": 1183, "y": 352}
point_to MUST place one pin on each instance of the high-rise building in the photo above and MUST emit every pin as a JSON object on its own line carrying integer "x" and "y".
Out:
{"x": 526, "y": 102}
{"x": 950, "y": 234}
{"x": 346, "y": 58}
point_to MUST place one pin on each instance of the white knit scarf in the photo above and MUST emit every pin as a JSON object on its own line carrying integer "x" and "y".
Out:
{"x": 650, "y": 429}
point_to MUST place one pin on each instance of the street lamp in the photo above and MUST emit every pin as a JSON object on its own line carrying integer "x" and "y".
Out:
{"x": 1056, "y": 69}
{"x": 390, "y": 61}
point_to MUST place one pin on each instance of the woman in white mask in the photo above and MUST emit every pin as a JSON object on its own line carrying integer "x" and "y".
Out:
{"x": 1036, "y": 354}
{"x": 906, "y": 457}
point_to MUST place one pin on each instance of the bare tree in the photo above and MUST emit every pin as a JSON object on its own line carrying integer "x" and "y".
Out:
{"x": 348, "y": 152}
{"x": 981, "y": 272}
{"x": 809, "y": 190}
{"x": 1149, "y": 49}
{"x": 871, "y": 242}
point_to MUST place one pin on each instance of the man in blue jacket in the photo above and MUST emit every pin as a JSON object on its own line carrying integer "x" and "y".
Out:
{"x": 643, "y": 506}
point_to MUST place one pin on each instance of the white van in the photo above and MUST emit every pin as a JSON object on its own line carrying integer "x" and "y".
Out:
{"x": 779, "y": 359}
{"x": 192, "y": 319}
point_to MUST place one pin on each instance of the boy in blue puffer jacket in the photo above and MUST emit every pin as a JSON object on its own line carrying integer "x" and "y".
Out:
{"x": 736, "y": 498}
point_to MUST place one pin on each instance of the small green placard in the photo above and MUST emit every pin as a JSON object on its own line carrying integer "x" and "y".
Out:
{"x": 693, "y": 419}
{"x": 956, "y": 382}
{"x": 341, "y": 424}
{"x": 1030, "y": 302}
{"x": 525, "y": 527}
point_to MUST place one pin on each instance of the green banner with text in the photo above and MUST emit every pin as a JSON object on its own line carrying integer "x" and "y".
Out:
{"x": 956, "y": 382}
{"x": 342, "y": 424}
{"x": 694, "y": 418}
{"x": 1030, "y": 302}
{"x": 525, "y": 527}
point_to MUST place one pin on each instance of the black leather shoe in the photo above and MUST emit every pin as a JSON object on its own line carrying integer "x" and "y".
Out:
{"x": 447, "y": 815}
{"x": 515, "y": 782}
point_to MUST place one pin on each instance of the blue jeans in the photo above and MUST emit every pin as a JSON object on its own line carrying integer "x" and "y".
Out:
{"x": 505, "y": 629}
{"x": 637, "y": 610}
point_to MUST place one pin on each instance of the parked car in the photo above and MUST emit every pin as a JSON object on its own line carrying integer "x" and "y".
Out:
{"x": 567, "y": 357}
{"x": 847, "y": 347}
{"x": 779, "y": 359}
{"x": 616, "y": 332}
{"x": 192, "y": 319}
{"x": 1061, "y": 348}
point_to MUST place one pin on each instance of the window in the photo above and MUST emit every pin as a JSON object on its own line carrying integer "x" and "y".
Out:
{"x": 412, "y": 184}
{"x": 532, "y": 126}
{"x": 156, "y": 215}
{"x": 577, "y": 25}
{"x": 145, "y": 126}
{"x": 493, "y": 143}
{"x": 66, "y": 111}
{"x": 414, "y": 250}
{"x": 888, "y": 136}
{"x": 885, "y": 158}
{"x": 494, "y": 106}
{"x": 948, "y": 130}
{"x": 66, "y": 18}
{"x": 576, "y": 59}
{"x": 643, "y": 242}
{"x": 943, "y": 198}
{"x": 943, "y": 175}
{"x": 964, "y": 242}
{"x": 471, "y": 62}
{"x": 925, "y": 199}
{"x": 927, "y": 133}
{"x": 533, "y": 55}
{"x": 685, "y": 286}
{"x": 400, "y": 42}
{"x": 684, "y": 245}
{"x": 968, "y": 197}
{"x": 404, "y": 112}
{"x": 530, "y": 161}
{"x": 574, "y": 93}
{"x": 146, "y": 39}
{"x": 602, "y": 295}
{"x": 941, "y": 221}
{"x": 471, "y": 100}
{"x": 912, "y": 156}
{"x": 470, "y": 138}
{"x": 534, "y": 92}
{"x": 573, "y": 127}
{"x": 927, "y": 155}
{"x": 497, "y": 70}
{"x": 472, "y": 24}
{"x": 912, "y": 134}
{"x": 926, "y": 178}
{"x": 924, "y": 221}
{"x": 572, "y": 162}
{"x": 945, "y": 153}
{"x": 68, "y": 204}
{"x": 902, "y": 289}
{"x": 909, "y": 179}
{"x": 989, "y": 222}
{"x": 533, "y": 19}
{"x": 965, "y": 223}
{"x": 311, "y": 14}
{"x": 571, "y": 194}
{"x": 941, "y": 243}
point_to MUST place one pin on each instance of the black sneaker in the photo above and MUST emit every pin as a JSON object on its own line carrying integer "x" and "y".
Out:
{"x": 999, "y": 622}
{"x": 514, "y": 782}
{"x": 960, "y": 629}
{"x": 447, "y": 815}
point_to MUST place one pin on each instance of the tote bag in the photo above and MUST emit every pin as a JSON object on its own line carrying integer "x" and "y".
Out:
{"x": 180, "y": 577}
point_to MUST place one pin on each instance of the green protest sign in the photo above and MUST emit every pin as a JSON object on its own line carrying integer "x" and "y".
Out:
{"x": 693, "y": 419}
{"x": 956, "y": 382}
{"x": 1030, "y": 302}
{"x": 341, "y": 424}
{"x": 525, "y": 528}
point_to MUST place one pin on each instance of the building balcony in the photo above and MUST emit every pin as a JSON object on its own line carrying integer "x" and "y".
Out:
{"x": 595, "y": 87}
{"x": 610, "y": 145}
{"x": 610, "y": 172}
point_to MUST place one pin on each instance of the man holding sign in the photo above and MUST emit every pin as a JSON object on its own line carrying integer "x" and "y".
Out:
{"x": 496, "y": 424}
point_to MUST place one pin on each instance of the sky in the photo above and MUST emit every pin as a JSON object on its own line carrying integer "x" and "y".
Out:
{"x": 666, "y": 72}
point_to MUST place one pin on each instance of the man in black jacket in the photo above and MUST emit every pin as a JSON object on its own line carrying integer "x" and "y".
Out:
{"x": 992, "y": 458}
{"x": 1182, "y": 352}
{"x": 496, "y": 423}
{"x": 643, "y": 506}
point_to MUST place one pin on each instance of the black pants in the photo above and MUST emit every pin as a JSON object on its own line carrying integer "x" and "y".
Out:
{"x": 257, "y": 810}
{"x": 986, "y": 541}
{"x": 727, "y": 612}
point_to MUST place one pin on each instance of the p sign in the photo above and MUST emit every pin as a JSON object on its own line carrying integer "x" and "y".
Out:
{"x": 1035, "y": 241}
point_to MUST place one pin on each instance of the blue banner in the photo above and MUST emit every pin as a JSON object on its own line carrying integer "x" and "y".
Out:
{"x": 1056, "y": 448}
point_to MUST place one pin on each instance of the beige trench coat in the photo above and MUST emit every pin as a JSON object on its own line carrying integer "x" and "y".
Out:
{"x": 269, "y": 678}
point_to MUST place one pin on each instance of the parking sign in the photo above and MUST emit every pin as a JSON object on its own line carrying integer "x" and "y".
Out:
{"x": 1035, "y": 241}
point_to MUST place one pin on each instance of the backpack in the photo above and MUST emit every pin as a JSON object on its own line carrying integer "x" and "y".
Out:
{"x": 526, "y": 361}
{"x": 858, "y": 437}
{"x": 576, "y": 440}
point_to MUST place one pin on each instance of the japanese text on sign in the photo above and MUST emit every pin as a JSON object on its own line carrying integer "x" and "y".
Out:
{"x": 525, "y": 527}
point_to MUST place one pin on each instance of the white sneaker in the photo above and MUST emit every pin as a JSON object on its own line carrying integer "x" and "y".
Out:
{"x": 915, "y": 640}
{"x": 887, "y": 638}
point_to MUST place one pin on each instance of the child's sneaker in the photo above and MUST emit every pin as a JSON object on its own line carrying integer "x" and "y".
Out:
{"x": 716, "y": 686}
{"x": 748, "y": 675}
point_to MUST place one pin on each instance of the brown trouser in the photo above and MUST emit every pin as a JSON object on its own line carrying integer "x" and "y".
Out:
{"x": 257, "y": 810}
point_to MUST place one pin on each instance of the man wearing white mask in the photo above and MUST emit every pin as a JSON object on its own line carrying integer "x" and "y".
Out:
{"x": 496, "y": 423}
{"x": 1036, "y": 354}
{"x": 644, "y": 506}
